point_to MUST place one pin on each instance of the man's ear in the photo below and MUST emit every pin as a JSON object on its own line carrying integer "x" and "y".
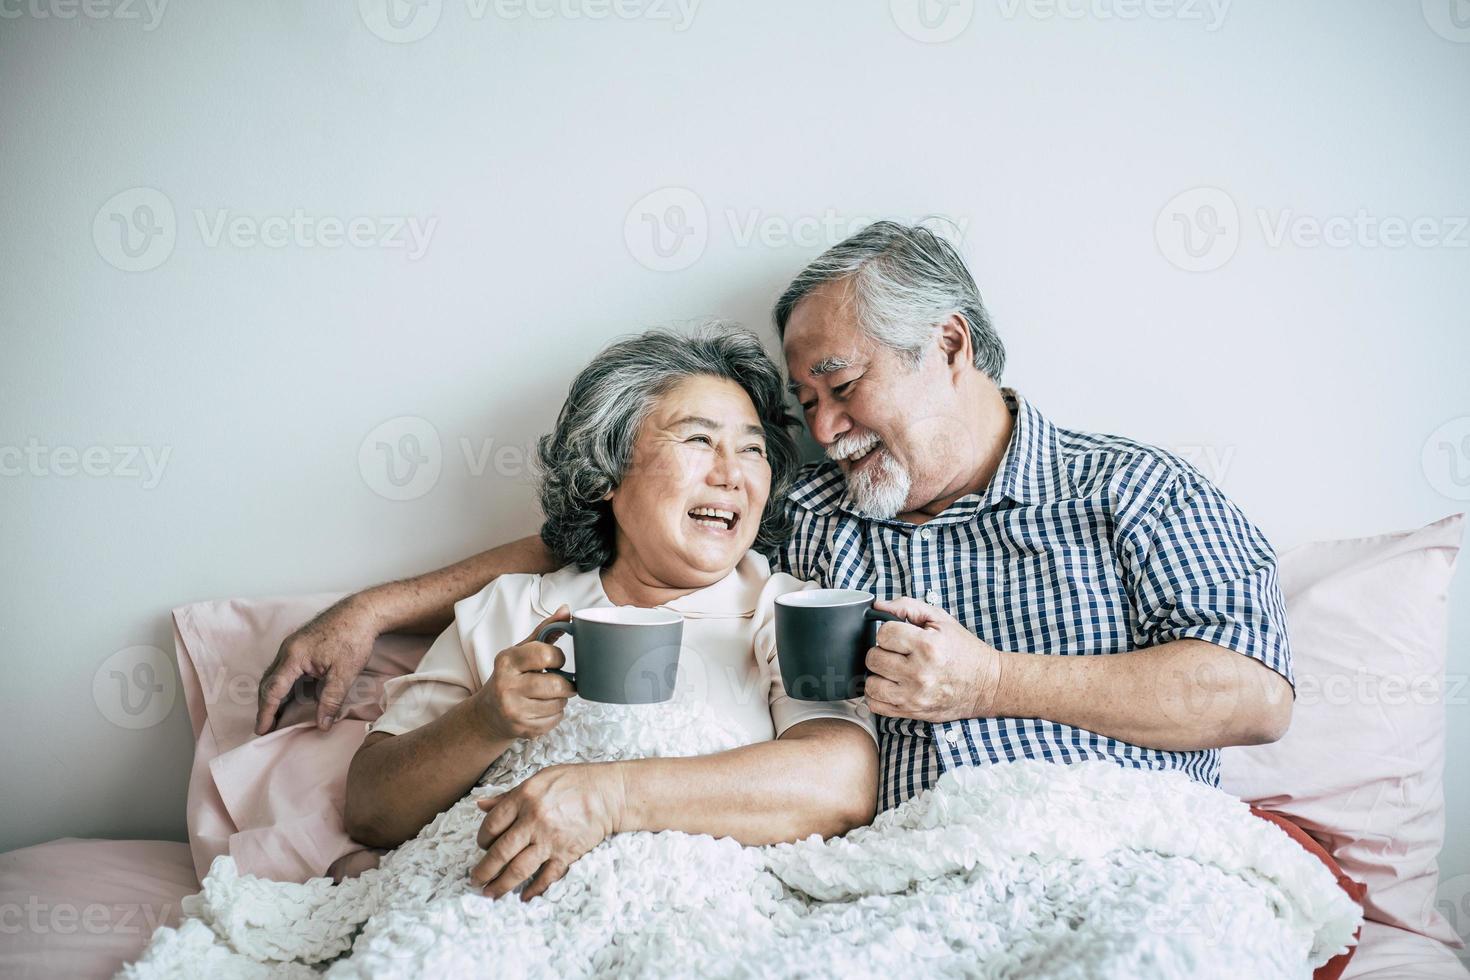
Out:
{"x": 954, "y": 341}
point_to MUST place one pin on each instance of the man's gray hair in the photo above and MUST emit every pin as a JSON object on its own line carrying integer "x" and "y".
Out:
{"x": 903, "y": 281}
{"x": 591, "y": 448}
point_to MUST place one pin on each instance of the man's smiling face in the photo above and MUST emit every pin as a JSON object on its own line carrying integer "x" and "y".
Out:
{"x": 893, "y": 427}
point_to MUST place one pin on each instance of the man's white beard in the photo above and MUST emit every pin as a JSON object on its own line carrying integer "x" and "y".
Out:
{"x": 881, "y": 487}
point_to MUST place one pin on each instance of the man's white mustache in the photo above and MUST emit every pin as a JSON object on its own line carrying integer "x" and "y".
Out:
{"x": 851, "y": 446}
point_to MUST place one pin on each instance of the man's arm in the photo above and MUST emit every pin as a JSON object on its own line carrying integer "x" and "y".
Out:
{"x": 1183, "y": 695}
{"x": 336, "y": 645}
{"x": 1180, "y": 696}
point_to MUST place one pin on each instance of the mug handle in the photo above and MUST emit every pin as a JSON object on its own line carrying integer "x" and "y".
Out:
{"x": 570, "y": 629}
{"x": 872, "y": 618}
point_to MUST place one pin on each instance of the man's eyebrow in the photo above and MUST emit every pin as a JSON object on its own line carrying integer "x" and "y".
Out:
{"x": 827, "y": 365}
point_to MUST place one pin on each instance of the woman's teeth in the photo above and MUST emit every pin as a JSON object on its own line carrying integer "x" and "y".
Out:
{"x": 711, "y": 517}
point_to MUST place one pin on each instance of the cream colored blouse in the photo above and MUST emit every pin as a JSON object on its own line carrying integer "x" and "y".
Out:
{"x": 728, "y": 661}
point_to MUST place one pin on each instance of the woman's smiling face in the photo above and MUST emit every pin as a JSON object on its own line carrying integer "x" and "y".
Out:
{"x": 690, "y": 505}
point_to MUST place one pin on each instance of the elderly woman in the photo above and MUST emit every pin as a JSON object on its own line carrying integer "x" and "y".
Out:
{"x": 670, "y": 460}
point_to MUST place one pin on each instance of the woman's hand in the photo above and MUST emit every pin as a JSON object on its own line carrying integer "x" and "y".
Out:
{"x": 519, "y": 701}
{"x": 546, "y": 823}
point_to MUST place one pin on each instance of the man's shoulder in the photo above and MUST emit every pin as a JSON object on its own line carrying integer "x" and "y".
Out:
{"x": 818, "y": 486}
{"x": 1103, "y": 463}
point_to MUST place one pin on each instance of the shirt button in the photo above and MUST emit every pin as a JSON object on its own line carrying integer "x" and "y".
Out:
{"x": 925, "y": 533}
{"x": 932, "y": 597}
{"x": 952, "y": 736}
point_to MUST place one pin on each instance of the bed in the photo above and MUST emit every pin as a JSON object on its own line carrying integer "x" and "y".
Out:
{"x": 132, "y": 886}
{"x": 84, "y": 908}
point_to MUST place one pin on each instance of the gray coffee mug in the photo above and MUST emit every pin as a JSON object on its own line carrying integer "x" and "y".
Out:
{"x": 822, "y": 640}
{"x": 625, "y": 654}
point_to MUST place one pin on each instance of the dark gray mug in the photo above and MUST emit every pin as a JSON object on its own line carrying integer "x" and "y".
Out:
{"x": 624, "y": 654}
{"x": 822, "y": 641}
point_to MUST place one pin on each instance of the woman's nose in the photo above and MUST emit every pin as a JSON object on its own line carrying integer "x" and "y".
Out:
{"x": 724, "y": 471}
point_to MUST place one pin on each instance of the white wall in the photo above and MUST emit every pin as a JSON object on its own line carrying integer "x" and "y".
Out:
{"x": 1307, "y": 379}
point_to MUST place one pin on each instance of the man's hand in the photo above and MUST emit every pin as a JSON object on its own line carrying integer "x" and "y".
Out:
{"x": 546, "y": 823}
{"x": 929, "y": 668}
{"x": 333, "y": 648}
{"x": 519, "y": 701}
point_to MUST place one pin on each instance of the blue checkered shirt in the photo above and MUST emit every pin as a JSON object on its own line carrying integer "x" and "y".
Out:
{"x": 1082, "y": 545}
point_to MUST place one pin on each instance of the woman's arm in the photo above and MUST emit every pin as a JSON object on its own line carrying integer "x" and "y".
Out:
{"x": 398, "y": 783}
{"x": 819, "y": 777}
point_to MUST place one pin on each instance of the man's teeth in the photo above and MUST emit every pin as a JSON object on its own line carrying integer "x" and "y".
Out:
{"x": 859, "y": 450}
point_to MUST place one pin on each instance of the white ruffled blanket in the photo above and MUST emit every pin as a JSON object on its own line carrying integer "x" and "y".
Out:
{"x": 1028, "y": 869}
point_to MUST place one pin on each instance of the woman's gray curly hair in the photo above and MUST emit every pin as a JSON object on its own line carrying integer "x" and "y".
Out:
{"x": 589, "y": 451}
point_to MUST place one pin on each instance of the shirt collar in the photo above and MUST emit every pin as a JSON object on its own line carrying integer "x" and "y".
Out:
{"x": 1031, "y": 470}
{"x": 734, "y": 596}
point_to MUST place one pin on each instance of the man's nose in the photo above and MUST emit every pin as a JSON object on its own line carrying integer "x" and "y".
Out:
{"x": 828, "y": 422}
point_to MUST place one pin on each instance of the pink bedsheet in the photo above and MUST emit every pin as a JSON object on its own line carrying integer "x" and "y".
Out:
{"x": 1388, "y": 953}
{"x": 83, "y": 908}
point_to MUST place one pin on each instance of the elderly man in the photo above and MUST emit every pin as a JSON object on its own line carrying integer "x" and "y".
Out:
{"x": 1067, "y": 596}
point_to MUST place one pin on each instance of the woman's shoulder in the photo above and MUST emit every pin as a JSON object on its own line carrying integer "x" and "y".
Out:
{"x": 777, "y": 584}
{"x": 505, "y": 612}
{"x": 513, "y": 590}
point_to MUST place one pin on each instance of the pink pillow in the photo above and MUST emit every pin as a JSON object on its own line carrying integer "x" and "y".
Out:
{"x": 1362, "y": 768}
{"x": 273, "y": 803}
